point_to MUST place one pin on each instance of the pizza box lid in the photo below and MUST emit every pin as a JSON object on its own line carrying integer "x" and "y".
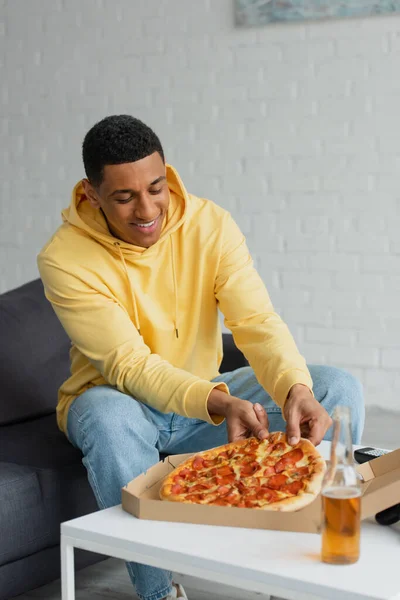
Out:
{"x": 140, "y": 497}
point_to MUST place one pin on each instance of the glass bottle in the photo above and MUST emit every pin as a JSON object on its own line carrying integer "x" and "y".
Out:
{"x": 341, "y": 497}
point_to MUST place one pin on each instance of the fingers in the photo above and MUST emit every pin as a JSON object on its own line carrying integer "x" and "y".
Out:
{"x": 236, "y": 433}
{"x": 243, "y": 419}
{"x": 293, "y": 427}
{"x": 261, "y": 415}
{"x": 258, "y": 422}
{"x": 317, "y": 430}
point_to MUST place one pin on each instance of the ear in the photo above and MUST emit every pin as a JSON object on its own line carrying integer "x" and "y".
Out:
{"x": 91, "y": 193}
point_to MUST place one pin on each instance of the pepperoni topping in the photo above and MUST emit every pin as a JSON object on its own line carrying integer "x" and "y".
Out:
{"x": 241, "y": 487}
{"x": 270, "y": 470}
{"x": 233, "y": 496}
{"x": 247, "y": 459}
{"x": 251, "y": 445}
{"x": 177, "y": 489}
{"x": 222, "y": 471}
{"x": 226, "y": 480}
{"x": 221, "y": 502}
{"x": 191, "y": 476}
{"x": 223, "y": 455}
{"x": 277, "y": 481}
{"x": 198, "y": 498}
{"x": 184, "y": 473}
{"x": 250, "y": 469}
{"x": 209, "y": 481}
{"x": 295, "y": 455}
{"x": 250, "y": 502}
{"x": 198, "y": 463}
{"x": 199, "y": 488}
{"x": 210, "y": 463}
{"x": 267, "y": 494}
{"x": 292, "y": 488}
{"x": 288, "y": 459}
{"x": 250, "y": 498}
{"x": 279, "y": 447}
{"x": 267, "y": 449}
{"x": 300, "y": 472}
{"x": 223, "y": 490}
{"x": 247, "y": 485}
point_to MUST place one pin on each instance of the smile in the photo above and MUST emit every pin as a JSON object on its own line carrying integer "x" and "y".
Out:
{"x": 148, "y": 227}
{"x": 146, "y": 224}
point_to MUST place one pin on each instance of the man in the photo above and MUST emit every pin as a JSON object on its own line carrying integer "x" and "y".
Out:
{"x": 136, "y": 275}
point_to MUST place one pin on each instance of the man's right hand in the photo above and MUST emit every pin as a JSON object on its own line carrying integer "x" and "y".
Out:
{"x": 243, "y": 419}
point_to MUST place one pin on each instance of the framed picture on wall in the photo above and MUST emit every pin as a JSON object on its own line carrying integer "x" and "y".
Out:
{"x": 263, "y": 12}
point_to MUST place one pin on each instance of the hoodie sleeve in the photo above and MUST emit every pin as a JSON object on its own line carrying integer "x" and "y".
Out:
{"x": 101, "y": 329}
{"x": 258, "y": 331}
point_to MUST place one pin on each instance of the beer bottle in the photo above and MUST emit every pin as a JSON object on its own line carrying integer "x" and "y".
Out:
{"x": 341, "y": 497}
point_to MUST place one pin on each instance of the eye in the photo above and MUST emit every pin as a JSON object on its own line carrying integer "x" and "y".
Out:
{"x": 155, "y": 192}
{"x": 122, "y": 200}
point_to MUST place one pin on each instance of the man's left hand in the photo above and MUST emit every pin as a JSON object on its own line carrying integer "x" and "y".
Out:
{"x": 305, "y": 417}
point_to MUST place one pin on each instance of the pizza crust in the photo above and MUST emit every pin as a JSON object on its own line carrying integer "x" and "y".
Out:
{"x": 291, "y": 504}
{"x": 313, "y": 483}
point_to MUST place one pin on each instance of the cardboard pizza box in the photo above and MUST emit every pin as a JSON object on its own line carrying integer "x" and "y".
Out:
{"x": 140, "y": 497}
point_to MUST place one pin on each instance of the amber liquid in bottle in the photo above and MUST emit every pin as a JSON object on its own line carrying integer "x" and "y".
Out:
{"x": 341, "y": 497}
{"x": 341, "y": 526}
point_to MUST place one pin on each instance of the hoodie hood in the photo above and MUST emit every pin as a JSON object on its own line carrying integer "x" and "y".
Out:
{"x": 84, "y": 216}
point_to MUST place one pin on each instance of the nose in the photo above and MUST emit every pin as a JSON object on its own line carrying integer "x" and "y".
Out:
{"x": 146, "y": 209}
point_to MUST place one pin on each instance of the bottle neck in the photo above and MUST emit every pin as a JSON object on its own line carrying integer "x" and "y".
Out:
{"x": 341, "y": 476}
{"x": 342, "y": 447}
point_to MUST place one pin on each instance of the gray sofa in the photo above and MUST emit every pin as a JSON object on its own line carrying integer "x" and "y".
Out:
{"x": 42, "y": 479}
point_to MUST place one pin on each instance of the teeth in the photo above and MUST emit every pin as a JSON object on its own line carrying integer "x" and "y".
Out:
{"x": 146, "y": 224}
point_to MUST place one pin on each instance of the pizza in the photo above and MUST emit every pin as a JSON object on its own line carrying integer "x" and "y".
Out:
{"x": 264, "y": 474}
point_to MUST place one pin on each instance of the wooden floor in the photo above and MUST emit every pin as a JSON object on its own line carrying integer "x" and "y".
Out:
{"x": 109, "y": 579}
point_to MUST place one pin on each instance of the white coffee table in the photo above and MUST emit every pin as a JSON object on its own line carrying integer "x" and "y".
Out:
{"x": 270, "y": 562}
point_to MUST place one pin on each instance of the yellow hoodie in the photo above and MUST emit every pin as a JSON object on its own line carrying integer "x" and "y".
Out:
{"x": 146, "y": 320}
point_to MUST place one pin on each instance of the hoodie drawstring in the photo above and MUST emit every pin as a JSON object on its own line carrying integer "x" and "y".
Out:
{"x": 135, "y": 311}
{"x": 175, "y": 287}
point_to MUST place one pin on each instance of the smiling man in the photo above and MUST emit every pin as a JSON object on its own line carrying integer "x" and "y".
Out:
{"x": 136, "y": 275}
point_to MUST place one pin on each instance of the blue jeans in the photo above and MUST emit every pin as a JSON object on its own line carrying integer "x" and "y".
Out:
{"x": 121, "y": 437}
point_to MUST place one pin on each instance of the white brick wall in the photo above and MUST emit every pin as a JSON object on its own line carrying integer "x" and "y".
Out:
{"x": 292, "y": 128}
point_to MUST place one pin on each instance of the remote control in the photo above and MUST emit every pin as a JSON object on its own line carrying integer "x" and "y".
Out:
{"x": 362, "y": 455}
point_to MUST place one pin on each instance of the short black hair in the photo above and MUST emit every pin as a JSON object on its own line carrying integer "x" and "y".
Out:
{"x": 115, "y": 140}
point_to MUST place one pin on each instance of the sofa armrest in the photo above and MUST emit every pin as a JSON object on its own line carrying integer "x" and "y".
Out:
{"x": 233, "y": 358}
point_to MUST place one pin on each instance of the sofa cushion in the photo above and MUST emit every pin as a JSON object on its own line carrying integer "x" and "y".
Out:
{"x": 37, "y": 443}
{"x": 33, "y": 503}
{"x": 55, "y": 467}
{"x": 34, "y": 354}
{"x": 24, "y": 526}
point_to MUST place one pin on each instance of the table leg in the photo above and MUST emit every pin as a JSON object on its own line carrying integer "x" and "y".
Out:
{"x": 67, "y": 570}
